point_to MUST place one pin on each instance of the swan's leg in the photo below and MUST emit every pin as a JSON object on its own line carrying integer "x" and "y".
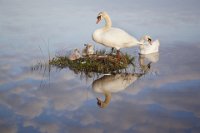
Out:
{"x": 112, "y": 51}
{"x": 118, "y": 54}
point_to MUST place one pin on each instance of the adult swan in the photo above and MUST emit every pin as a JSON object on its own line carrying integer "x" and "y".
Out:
{"x": 113, "y": 37}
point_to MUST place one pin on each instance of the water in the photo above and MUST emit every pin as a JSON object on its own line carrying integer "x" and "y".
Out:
{"x": 164, "y": 99}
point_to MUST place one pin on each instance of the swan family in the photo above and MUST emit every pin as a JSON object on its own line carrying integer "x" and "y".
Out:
{"x": 117, "y": 38}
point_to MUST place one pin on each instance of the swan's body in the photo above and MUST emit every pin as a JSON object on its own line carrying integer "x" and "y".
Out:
{"x": 111, "y": 84}
{"x": 113, "y": 37}
{"x": 149, "y": 47}
{"x": 75, "y": 55}
{"x": 88, "y": 50}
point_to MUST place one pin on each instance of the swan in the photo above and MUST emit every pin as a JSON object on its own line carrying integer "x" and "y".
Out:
{"x": 111, "y": 84}
{"x": 75, "y": 55}
{"x": 88, "y": 50}
{"x": 149, "y": 46}
{"x": 113, "y": 37}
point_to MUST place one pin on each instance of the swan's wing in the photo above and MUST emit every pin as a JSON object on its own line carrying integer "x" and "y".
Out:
{"x": 118, "y": 37}
{"x": 156, "y": 42}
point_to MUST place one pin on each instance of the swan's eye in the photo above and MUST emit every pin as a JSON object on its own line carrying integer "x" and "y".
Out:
{"x": 149, "y": 39}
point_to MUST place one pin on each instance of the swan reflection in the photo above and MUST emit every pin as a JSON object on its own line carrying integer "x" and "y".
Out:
{"x": 114, "y": 83}
{"x": 109, "y": 84}
{"x": 145, "y": 61}
{"x": 154, "y": 57}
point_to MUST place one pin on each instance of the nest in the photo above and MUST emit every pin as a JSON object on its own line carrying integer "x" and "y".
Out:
{"x": 98, "y": 63}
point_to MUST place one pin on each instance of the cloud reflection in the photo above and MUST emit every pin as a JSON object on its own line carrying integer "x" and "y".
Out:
{"x": 44, "y": 127}
{"x": 135, "y": 117}
{"x": 8, "y": 128}
{"x": 138, "y": 111}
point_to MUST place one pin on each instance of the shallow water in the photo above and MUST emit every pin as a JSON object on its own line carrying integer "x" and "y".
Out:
{"x": 48, "y": 100}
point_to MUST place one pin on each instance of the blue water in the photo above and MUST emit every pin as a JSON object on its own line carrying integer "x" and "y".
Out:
{"x": 165, "y": 99}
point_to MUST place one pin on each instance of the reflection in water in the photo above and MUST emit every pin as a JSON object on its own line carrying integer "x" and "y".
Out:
{"x": 146, "y": 60}
{"x": 111, "y": 84}
{"x": 118, "y": 82}
{"x": 108, "y": 84}
{"x": 154, "y": 57}
{"x": 63, "y": 106}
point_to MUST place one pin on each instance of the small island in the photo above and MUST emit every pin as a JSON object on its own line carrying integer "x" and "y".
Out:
{"x": 99, "y": 62}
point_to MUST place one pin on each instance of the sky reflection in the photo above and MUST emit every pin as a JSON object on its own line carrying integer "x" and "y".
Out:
{"x": 165, "y": 99}
{"x": 161, "y": 103}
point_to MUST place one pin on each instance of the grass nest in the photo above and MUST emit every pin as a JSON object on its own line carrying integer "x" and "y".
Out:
{"x": 98, "y": 63}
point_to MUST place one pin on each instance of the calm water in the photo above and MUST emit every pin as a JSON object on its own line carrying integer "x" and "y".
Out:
{"x": 165, "y": 99}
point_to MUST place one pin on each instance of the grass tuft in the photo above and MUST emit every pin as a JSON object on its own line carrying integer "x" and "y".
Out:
{"x": 100, "y": 62}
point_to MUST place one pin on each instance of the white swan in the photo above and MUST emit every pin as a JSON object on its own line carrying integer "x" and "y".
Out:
{"x": 75, "y": 55}
{"x": 148, "y": 45}
{"x": 111, "y": 84}
{"x": 88, "y": 50}
{"x": 113, "y": 37}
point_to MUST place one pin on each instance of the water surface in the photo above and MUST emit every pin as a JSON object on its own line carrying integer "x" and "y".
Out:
{"x": 164, "y": 99}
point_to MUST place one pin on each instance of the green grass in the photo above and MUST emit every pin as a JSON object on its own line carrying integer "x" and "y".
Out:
{"x": 100, "y": 62}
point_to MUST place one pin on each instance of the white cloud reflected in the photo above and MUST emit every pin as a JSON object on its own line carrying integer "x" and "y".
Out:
{"x": 43, "y": 127}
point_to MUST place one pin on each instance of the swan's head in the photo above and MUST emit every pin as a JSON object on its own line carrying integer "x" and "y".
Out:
{"x": 104, "y": 104}
{"x": 88, "y": 46}
{"x": 101, "y": 104}
{"x": 101, "y": 15}
{"x": 147, "y": 38}
{"x": 76, "y": 51}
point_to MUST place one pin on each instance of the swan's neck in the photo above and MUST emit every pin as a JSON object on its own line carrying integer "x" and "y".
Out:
{"x": 107, "y": 98}
{"x": 108, "y": 22}
{"x": 105, "y": 103}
